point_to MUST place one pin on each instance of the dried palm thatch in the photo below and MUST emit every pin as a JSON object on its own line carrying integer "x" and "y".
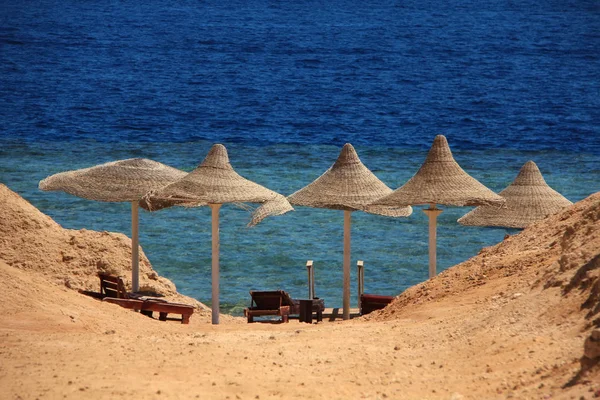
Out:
{"x": 123, "y": 180}
{"x": 216, "y": 182}
{"x": 440, "y": 180}
{"x": 213, "y": 183}
{"x": 347, "y": 185}
{"x": 528, "y": 199}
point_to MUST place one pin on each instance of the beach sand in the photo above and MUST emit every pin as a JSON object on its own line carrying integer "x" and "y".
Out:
{"x": 512, "y": 322}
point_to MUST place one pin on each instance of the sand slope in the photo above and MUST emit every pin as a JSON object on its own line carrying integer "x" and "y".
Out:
{"x": 32, "y": 241}
{"x": 511, "y": 322}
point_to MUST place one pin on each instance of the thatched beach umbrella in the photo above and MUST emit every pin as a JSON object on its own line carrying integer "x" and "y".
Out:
{"x": 349, "y": 186}
{"x": 440, "y": 180}
{"x": 214, "y": 183}
{"x": 117, "y": 181}
{"x": 528, "y": 199}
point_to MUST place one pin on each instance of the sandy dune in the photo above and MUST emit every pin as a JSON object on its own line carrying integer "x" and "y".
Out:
{"x": 512, "y": 322}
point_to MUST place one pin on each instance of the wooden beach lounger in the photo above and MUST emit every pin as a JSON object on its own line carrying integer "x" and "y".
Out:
{"x": 112, "y": 290}
{"x": 372, "y": 302}
{"x": 274, "y": 302}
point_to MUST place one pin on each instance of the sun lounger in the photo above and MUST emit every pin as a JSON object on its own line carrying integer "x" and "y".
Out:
{"x": 112, "y": 290}
{"x": 372, "y": 302}
{"x": 112, "y": 286}
{"x": 131, "y": 304}
{"x": 164, "y": 308}
{"x": 274, "y": 302}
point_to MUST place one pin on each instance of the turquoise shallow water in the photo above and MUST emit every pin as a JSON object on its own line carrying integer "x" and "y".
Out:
{"x": 273, "y": 254}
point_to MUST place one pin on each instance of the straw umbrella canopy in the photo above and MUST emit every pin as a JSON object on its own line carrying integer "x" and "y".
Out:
{"x": 212, "y": 184}
{"x": 440, "y": 180}
{"x": 528, "y": 199}
{"x": 117, "y": 181}
{"x": 349, "y": 186}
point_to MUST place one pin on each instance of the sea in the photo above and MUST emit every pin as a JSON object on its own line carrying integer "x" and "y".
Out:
{"x": 284, "y": 85}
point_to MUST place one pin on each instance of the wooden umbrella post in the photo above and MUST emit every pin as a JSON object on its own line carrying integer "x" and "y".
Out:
{"x": 346, "y": 302}
{"x": 432, "y": 213}
{"x": 215, "y": 262}
{"x": 312, "y": 280}
{"x": 135, "y": 244}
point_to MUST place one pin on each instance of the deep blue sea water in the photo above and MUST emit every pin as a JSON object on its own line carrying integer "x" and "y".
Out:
{"x": 284, "y": 85}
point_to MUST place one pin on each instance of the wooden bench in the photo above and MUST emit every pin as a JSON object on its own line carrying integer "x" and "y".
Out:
{"x": 112, "y": 290}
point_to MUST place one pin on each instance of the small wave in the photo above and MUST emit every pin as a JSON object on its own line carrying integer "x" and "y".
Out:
{"x": 132, "y": 127}
{"x": 81, "y": 108}
{"x": 207, "y": 42}
{"x": 246, "y": 90}
{"x": 252, "y": 49}
{"x": 12, "y": 42}
{"x": 355, "y": 51}
{"x": 309, "y": 62}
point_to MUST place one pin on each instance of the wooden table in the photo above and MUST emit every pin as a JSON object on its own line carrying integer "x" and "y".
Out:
{"x": 308, "y": 306}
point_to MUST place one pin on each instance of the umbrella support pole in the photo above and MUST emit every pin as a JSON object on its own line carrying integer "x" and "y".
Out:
{"x": 432, "y": 213}
{"x": 135, "y": 244}
{"x": 215, "y": 262}
{"x": 347, "y": 225}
